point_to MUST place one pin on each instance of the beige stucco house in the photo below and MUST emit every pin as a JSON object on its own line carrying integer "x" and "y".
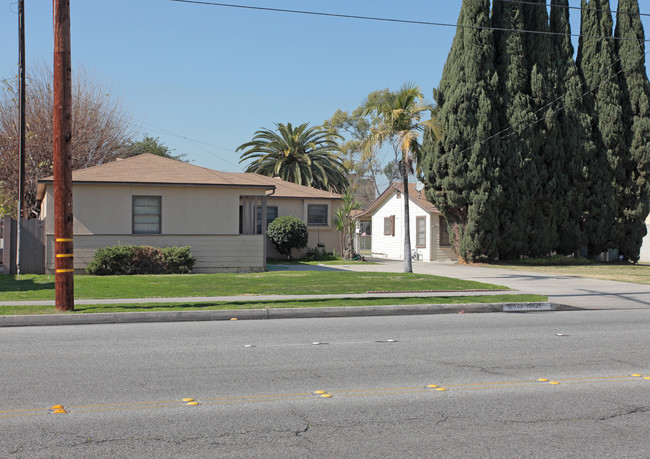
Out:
{"x": 152, "y": 200}
{"x": 427, "y": 227}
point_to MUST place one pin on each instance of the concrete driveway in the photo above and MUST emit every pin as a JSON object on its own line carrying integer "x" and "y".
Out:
{"x": 569, "y": 290}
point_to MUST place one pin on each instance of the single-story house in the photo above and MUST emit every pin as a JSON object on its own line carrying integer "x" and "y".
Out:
{"x": 313, "y": 206}
{"x": 152, "y": 200}
{"x": 427, "y": 227}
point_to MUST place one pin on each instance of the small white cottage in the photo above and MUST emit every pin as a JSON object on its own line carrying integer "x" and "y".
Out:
{"x": 428, "y": 228}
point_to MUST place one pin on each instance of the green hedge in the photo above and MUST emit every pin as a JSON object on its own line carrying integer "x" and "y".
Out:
{"x": 140, "y": 259}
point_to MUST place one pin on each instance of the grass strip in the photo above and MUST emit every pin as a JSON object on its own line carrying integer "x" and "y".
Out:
{"x": 41, "y": 287}
{"x": 621, "y": 272}
{"x": 235, "y": 305}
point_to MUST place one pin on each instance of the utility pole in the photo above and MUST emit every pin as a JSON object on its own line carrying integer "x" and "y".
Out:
{"x": 62, "y": 124}
{"x": 21, "y": 149}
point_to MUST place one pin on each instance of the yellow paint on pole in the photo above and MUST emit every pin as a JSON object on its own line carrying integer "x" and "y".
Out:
{"x": 64, "y": 255}
{"x": 65, "y": 270}
{"x": 64, "y": 239}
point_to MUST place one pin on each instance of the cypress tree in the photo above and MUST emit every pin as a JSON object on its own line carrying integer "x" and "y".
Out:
{"x": 574, "y": 146}
{"x": 630, "y": 49}
{"x": 519, "y": 178}
{"x": 597, "y": 64}
{"x": 460, "y": 170}
{"x": 543, "y": 136}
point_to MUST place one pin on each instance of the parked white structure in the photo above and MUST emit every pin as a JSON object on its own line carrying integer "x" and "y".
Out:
{"x": 427, "y": 227}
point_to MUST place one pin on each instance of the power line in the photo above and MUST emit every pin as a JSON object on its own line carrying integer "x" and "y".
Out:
{"x": 194, "y": 142}
{"x": 598, "y": 10}
{"x": 401, "y": 21}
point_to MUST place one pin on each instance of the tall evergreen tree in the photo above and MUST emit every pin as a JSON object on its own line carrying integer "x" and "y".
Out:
{"x": 630, "y": 49}
{"x": 460, "y": 170}
{"x": 597, "y": 64}
{"x": 519, "y": 178}
{"x": 544, "y": 135}
{"x": 575, "y": 146}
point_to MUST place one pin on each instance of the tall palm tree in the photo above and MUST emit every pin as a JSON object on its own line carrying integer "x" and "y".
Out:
{"x": 303, "y": 155}
{"x": 398, "y": 117}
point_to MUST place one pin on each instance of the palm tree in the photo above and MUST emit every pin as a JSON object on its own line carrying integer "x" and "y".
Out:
{"x": 304, "y": 155}
{"x": 398, "y": 117}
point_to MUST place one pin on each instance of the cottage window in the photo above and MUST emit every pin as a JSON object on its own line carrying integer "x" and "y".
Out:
{"x": 420, "y": 232}
{"x": 317, "y": 214}
{"x": 389, "y": 226}
{"x": 271, "y": 214}
{"x": 147, "y": 214}
{"x": 444, "y": 232}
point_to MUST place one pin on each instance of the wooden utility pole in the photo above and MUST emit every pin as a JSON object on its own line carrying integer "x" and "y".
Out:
{"x": 21, "y": 148}
{"x": 62, "y": 123}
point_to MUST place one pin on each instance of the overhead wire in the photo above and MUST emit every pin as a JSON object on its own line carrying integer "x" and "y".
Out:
{"x": 197, "y": 143}
{"x": 401, "y": 21}
{"x": 568, "y": 7}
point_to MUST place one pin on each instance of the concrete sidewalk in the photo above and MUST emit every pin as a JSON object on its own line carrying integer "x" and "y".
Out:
{"x": 569, "y": 290}
{"x": 563, "y": 292}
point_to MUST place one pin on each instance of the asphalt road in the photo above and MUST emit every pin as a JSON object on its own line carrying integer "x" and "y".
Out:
{"x": 123, "y": 386}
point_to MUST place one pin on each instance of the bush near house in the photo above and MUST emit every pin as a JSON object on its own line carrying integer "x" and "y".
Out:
{"x": 134, "y": 259}
{"x": 288, "y": 233}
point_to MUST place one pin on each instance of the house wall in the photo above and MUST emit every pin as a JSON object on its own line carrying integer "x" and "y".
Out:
{"x": 644, "y": 255}
{"x": 393, "y": 246}
{"x": 326, "y": 235}
{"x": 205, "y": 218}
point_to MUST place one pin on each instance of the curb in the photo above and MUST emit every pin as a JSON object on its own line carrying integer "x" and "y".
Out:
{"x": 273, "y": 313}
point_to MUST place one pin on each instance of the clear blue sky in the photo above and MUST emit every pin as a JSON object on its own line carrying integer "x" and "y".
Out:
{"x": 217, "y": 74}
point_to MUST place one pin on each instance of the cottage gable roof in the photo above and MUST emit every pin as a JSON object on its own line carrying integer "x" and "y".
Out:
{"x": 417, "y": 197}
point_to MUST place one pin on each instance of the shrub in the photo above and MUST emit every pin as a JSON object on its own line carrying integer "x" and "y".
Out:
{"x": 288, "y": 233}
{"x": 133, "y": 259}
{"x": 179, "y": 260}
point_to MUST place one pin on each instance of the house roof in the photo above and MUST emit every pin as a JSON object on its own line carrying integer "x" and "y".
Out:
{"x": 414, "y": 196}
{"x": 158, "y": 170}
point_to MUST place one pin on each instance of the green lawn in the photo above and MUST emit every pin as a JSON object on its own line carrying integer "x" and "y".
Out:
{"x": 639, "y": 273}
{"x": 38, "y": 287}
{"x": 235, "y": 305}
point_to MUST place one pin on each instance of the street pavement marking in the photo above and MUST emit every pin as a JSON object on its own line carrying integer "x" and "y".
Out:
{"x": 266, "y": 398}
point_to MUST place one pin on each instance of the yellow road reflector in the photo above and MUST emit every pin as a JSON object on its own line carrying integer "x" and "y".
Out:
{"x": 432, "y": 386}
{"x": 542, "y": 380}
{"x": 326, "y": 395}
{"x": 192, "y": 403}
{"x": 553, "y": 382}
{"x": 234, "y": 318}
{"x": 57, "y": 407}
{"x": 65, "y": 270}
{"x": 59, "y": 411}
{"x": 188, "y": 399}
{"x": 636, "y": 375}
{"x": 646, "y": 377}
{"x": 64, "y": 239}
{"x": 441, "y": 389}
{"x": 319, "y": 392}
